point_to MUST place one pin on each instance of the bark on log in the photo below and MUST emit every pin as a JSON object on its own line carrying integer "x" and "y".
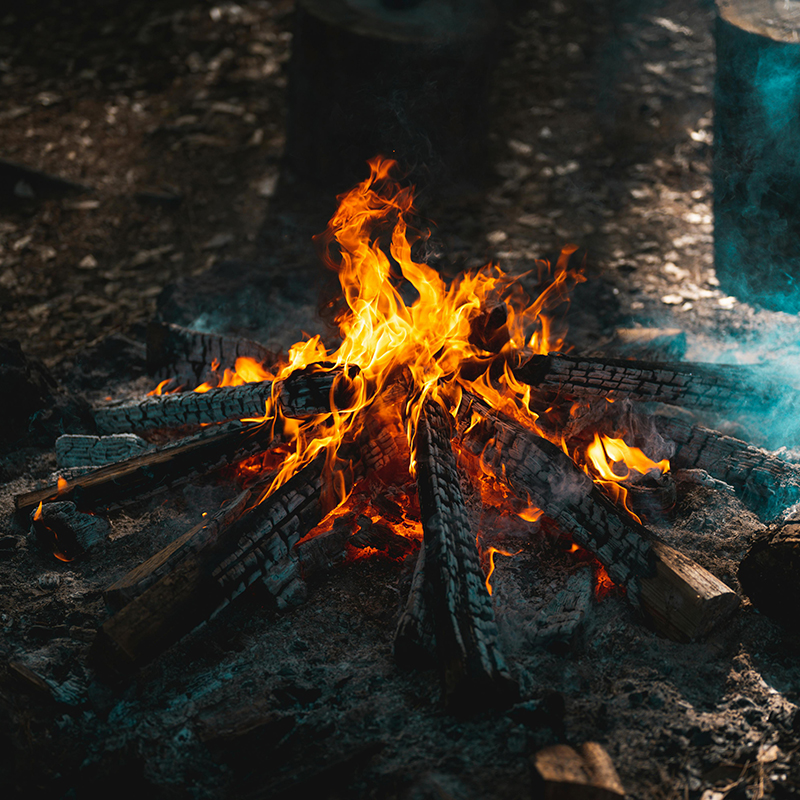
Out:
{"x": 683, "y": 600}
{"x": 562, "y": 773}
{"x": 764, "y": 483}
{"x": 186, "y": 408}
{"x": 73, "y": 450}
{"x": 711, "y": 387}
{"x": 756, "y": 146}
{"x": 317, "y": 389}
{"x": 415, "y": 639}
{"x": 188, "y": 355}
{"x": 769, "y": 573}
{"x": 473, "y": 670}
{"x": 115, "y": 484}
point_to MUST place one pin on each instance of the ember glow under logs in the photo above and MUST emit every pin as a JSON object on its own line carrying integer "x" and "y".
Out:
{"x": 433, "y": 385}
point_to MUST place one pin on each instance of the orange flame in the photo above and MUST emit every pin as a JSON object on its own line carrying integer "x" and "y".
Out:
{"x": 62, "y": 485}
{"x": 38, "y": 513}
{"x": 492, "y": 551}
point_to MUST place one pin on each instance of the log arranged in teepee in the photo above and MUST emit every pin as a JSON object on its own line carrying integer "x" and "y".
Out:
{"x": 114, "y": 484}
{"x": 683, "y": 600}
{"x": 757, "y": 152}
{"x": 712, "y": 387}
{"x": 764, "y": 482}
{"x": 474, "y": 672}
{"x": 222, "y": 404}
{"x": 77, "y": 450}
{"x": 189, "y": 356}
{"x": 769, "y": 572}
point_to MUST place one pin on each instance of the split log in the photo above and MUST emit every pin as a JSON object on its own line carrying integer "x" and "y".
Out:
{"x": 189, "y": 356}
{"x": 711, "y": 387}
{"x": 65, "y": 531}
{"x": 756, "y": 144}
{"x": 562, "y": 773}
{"x": 74, "y": 450}
{"x": 186, "y": 408}
{"x": 114, "y": 484}
{"x": 141, "y": 578}
{"x": 474, "y": 672}
{"x": 765, "y": 483}
{"x": 769, "y": 573}
{"x": 244, "y": 544}
{"x": 206, "y": 580}
{"x": 681, "y": 598}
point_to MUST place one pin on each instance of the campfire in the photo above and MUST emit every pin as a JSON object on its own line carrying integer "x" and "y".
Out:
{"x": 366, "y": 446}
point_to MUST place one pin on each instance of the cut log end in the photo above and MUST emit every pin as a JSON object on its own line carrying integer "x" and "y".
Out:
{"x": 563, "y": 773}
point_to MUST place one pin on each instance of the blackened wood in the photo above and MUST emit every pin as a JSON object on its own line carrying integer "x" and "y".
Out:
{"x": 317, "y": 389}
{"x": 76, "y": 450}
{"x": 488, "y": 329}
{"x": 207, "y": 579}
{"x": 415, "y": 639}
{"x": 767, "y": 484}
{"x": 115, "y": 484}
{"x": 712, "y": 387}
{"x": 769, "y": 573}
{"x": 382, "y": 538}
{"x": 224, "y": 403}
{"x": 560, "y": 772}
{"x": 473, "y": 670}
{"x": 682, "y": 599}
{"x": 756, "y": 167}
{"x": 188, "y": 355}
{"x": 60, "y": 527}
{"x": 139, "y": 579}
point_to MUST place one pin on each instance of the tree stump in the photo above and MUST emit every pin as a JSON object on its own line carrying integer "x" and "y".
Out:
{"x": 757, "y": 151}
{"x": 407, "y": 79}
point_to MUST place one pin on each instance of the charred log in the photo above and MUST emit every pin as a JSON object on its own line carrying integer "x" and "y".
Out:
{"x": 67, "y": 532}
{"x": 683, "y": 600}
{"x": 186, "y": 408}
{"x": 73, "y": 450}
{"x": 765, "y": 483}
{"x": 712, "y": 387}
{"x": 115, "y": 484}
{"x": 473, "y": 669}
{"x": 190, "y": 356}
{"x": 415, "y": 638}
{"x": 769, "y": 573}
{"x": 317, "y": 389}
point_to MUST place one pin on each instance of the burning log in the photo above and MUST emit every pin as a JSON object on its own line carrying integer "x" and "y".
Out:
{"x": 73, "y": 450}
{"x": 189, "y": 356}
{"x": 186, "y": 408}
{"x": 238, "y": 550}
{"x": 683, "y": 600}
{"x": 114, "y": 484}
{"x": 769, "y": 572}
{"x": 60, "y": 527}
{"x": 712, "y": 387}
{"x": 317, "y": 389}
{"x": 244, "y": 543}
{"x": 764, "y": 482}
{"x": 563, "y": 773}
{"x": 473, "y": 668}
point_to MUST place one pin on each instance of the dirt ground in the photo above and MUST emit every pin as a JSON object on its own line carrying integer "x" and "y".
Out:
{"x": 172, "y": 115}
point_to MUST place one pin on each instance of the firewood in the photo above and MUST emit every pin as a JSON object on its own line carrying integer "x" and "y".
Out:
{"x": 560, "y": 772}
{"x": 765, "y": 483}
{"x": 115, "y": 484}
{"x": 186, "y": 408}
{"x": 316, "y": 389}
{"x": 73, "y": 450}
{"x": 131, "y": 585}
{"x": 67, "y": 532}
{"x": 206, "y": 580}
{"x": 473, "y": 670}
{"x": 188, "y": 355}
{"x": 769, "y": 573}
{"x": 712, "y": 387}
{"x": 415, "y": 639}
{"x": 681, "y": 598}
{"x": 381, "y": 538}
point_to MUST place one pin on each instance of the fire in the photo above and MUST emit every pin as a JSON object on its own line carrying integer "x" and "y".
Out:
{"x": 492, "y": 551}
{"x": 62, "y": 485}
